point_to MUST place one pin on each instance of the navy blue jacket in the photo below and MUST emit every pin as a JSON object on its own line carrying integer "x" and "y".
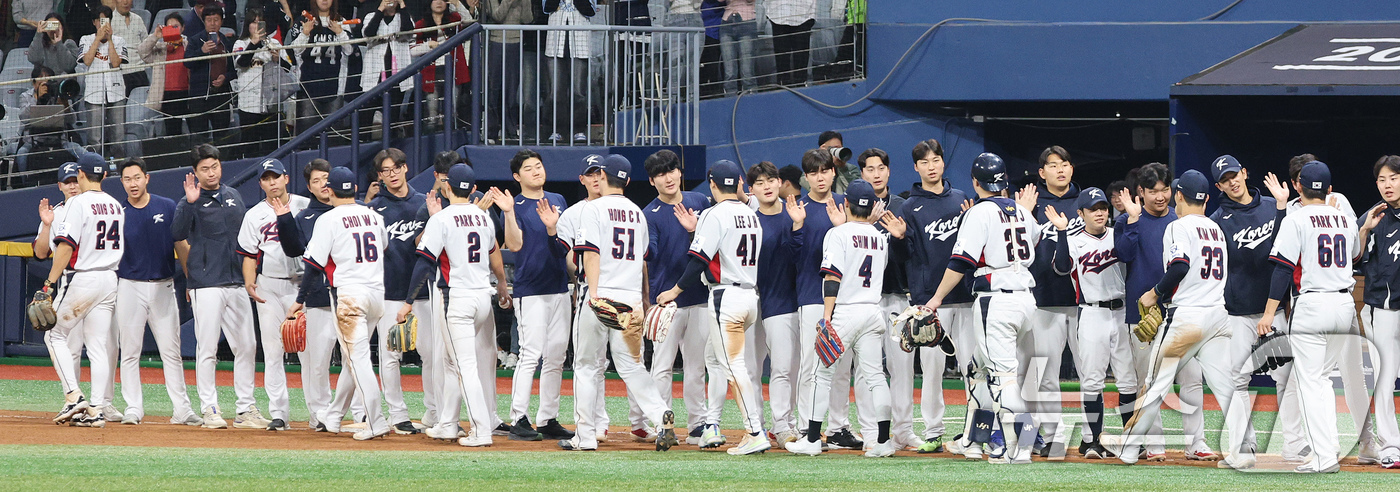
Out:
{"x": 1249, "y": 235}
{"x": 201, "y": 70}
{"x": 402, "y": 224}
{"x": 295, "y": 231}
{"x": 896, "y": 281}
{"x": 933, "y": 221}
{"x": 669, "y": 242}
{"x": 539, "y": 265}
{"x": 1381, "y": 262}
{"x": 1140, "y": 246}
{"x": 211, "y": 224}
{"x": 809, "y": 258}
{"x": 1051, "y": 289}
{"x": 777, "y": 277}
{"x": 150, "y": 252}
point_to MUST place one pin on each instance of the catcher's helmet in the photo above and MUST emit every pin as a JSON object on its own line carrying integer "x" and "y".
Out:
{"x": 989, "y": 170}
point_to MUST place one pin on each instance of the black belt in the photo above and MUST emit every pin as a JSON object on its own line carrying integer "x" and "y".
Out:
{"x": 1339, "y": 291}
{"x": 994, "y": 291}
{"x": 736, "y": 284}
{"x": 1113, "y": 304}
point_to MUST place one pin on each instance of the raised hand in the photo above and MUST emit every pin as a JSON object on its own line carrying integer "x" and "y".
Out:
{"x": 1131, "y": 206}
{"x": 486, "y": 201}
{"x": 796, "y": 212}
{"x": 895, "y": 225}
{"x": 1058, "y": 219}
{"x": 1332, "y": 201}
{"x": 877, "y": 211}
{"x": 503, "y": 199}
{"x": 836, "y": 213}
{"x": 371, "y": 191}
{"x": 279, "y": 207}
{"x": 548, "y": 214}
{"x": 1373, "y": 217}
{"x": 191, "y": 188}
{"x": 687, "y": 217}
{"x": 45, "y": 212}
{"x": 434, "y": 206}
{"x": 967, "y": 204}
{"x": 1027, "y": 197}
{"x": 1277, "y": 189}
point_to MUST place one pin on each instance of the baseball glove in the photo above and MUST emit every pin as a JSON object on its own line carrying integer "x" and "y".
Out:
{"x": 403, "y": 337}
{"x": 294, "y": 334}
{"x": 919, "y": 326}
{"x": 613, "y": 314}
{"x": 658, "y": 321}
{"x": 1270, "y": 352}
{"x": 1151, "y": 321}
{"x": 40, "y": 311}
{"x": 829, "y": 346}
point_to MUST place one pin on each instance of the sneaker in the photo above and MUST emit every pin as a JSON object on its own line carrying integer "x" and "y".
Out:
{"x": 475, "y": 441}
{"x": 668, "y": 432}
{"x": 1390, "y": 460}
{"x": 751, "y": 445}
{"x": 406, "y": 428}
{"x": 785, "y": 437}
{"x": 711, "y": 437}
{"x": 354, "y": 427}
{"x": 131, "y": 418}
{"x": 444, "y": 432}
{"x": 502, "y": 429}
{"x": 881, "y": 450}
{"x": 969, "y": 450}
{"x": 696, "y": 436}
{"x": 523, "y": 431}
{"x": 278, "y": 425}
{"x": 251, "y": 419}
{"x": 843, "y": 439}
{"x": 1311, "y": 467}
{"x": 1095, "y": 451}
{"x": 1202, "y": 453}
{"x": 575, "y": 445}
{"x": 212, "y": 419}
{"x": 75, "y": 403}
{"x": 111, "y": 414}
{"x": 1242, "y": 460}
{"x": 370, "y": 433}
{"x": 552, "y": 430}
{"x": 934, "y": 445}
{"x": 647, "y": 434}
{"x": 580, "y": 138}
{"x": 1368, "y": 454}
{"x": 803, "y": 446}
{"x": 189, "y": 419}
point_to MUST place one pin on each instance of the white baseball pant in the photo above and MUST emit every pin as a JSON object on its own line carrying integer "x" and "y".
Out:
{"x": 840, "y": 392}
{"x": 1243, "y": 333}
{"x": 1383, "y": 329}
{"x": 432, "y": 346}
{"x": 1052, "y": 328}
{"x": 84, "y": 304}
{"x": 543, "y": 324}
{"x": 469, "y": 318}
{"x": 389, "y": 361}
{"x": 138, "y": 303}
{"x": 224, "y": 309}
{"x": 1104, "y": 341}
{"x": 860, "y": 328}
{"x": 689, "y": 335}
{"x": 1001, "y": 319}
{"x": 776, "y": 337}
{"x": 356, "y": 310}
{"x": 600, "y": 409}
{"x": 591, "y": 342}
{"x": 900, "y": 365}
{"x": 735, "y": 309}
{"x": 316, "y": 361}
{"x": 1155, "y": 440}
{"x": 957, "y": 321}
{"x": 279, "y": 294}
{"x": 1319, "y": 333}
{"x": 1354, "y": 390}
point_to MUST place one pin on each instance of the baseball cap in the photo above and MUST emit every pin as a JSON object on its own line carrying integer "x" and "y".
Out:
{"x": 92, "y": 164}
{"x": 726, "y": 173}
{"x": 617, "y": 166}
{"x": 270, "y": 165}
{"x": 1090, "y": 197}
{"x": 461, "y": 177}
{"x": 1222, "y": 165}
{"x": 591, "y": 163}
{"x": 341, "y": 179}
{"x": 1315, "y": 176}
{"x": 67, "y": 170}
{"x": 861, "y": 194}
{"x": 1192, "y": 184}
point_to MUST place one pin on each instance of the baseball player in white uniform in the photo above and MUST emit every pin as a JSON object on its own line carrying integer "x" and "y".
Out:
{"x": 854, "y": 255}
{"x": 1316, "y": 245}
{"x": 88, "y": 239}
{"x": 43, "y": 250}
{"x": 997, "y": 245}
{"x": 727, "y": 245}
{"x": 1195, "y": 326}
{"x": 461, "y": 242}
{"x": 346, "y": 246}
{"x": 271, "y": 279}
{"x": 614, "y": 224}
{"x": 591, "y": 177}
{"x": 1089, "y": 258}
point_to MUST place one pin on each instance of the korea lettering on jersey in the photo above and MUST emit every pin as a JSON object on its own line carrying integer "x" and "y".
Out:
{"x": 258, "y": 239}
{"x": 1318, "y": 242}
{"x": 347, "y": 244}
{"x": 728, "y": 237}
{"x": 614, "y": 227}
{"x": 92, "y": 224}
{"x": 461, "y": 239}
{"x": 1199, "y": 243}
{"x": 856, "y": 254}
{"x": 998, "y": 237}
{"x": 1098, "y": 274}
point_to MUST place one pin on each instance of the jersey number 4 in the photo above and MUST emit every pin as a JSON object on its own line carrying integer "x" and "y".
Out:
{"x": 365, "y": 250}
{"x": 1332, "y": 250}
{"x": 106, "y": 234}
{"x": 1016, "y": 245}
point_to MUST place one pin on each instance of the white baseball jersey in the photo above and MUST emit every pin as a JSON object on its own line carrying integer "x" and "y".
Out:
{"x": 461, "y": 239}
{"x": 1343, "y": 204}
{"x": 614, "y": 227}
{"x": 348, "y": 244}
{"x": 92, "y": 224}
{"x": 1097, "y": 272}
{"x": 258, "y": 238}
{"x": 856, "y": 253}
{"x": 1199, "y": 242}
{"x": 728, "y": 237}
{"x": 567, "y": 227}
{"x": 999, "y": 237}
{"x": 1319, "y": 242}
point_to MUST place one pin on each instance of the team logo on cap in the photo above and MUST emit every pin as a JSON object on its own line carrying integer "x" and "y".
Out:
{"x": 999, "y": 177}
{"x": 267, "y": 164}
{"x": 1317, "y": 185}
{"x": 1200, "y": 196}
{"x": 1220, "y": 163}
{"x": 1094, "y": 193}
{"x": 592, "y": 159}
{"x": 622, "y": 174}
{"x": 463, "y": 185}
{"x": 97, "y": 169}
{"x": 863, "y": 202}
{"x": 68, "y": 168}
{"x": 345, "y": 186}
{"x": 728, "y": 181}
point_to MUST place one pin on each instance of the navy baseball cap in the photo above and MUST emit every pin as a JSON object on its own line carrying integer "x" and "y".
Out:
{"x": 591, "y": 163}
{"x": 1192, "y": 184}
{"x": 1224, "y": 164}
{"x": 861, "y": 194}
{"x": 341, "y": 179}
{"x": 67, "y": 170}
{"x": 92, "y": 164}
{"x": 726, "y": 173}
{"x": 270, "y": 165}
{"x": 1315, "y": 176}
{"x": 461, "y": 177}
{"x": 1090, "y": 197}
{"x": 617, "y": 166}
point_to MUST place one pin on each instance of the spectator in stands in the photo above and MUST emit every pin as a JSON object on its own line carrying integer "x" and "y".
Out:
{"x": 27, "y": 15}
{"x": 852, "y": 47}
{"x": 277, "y": 13}
{"x": 52, "y": 49}
{"x": 170, "y": 83}
{"x": 385, "y": 56}
{"x": 210, "y": 80}
{"x": 677, "y": 46}
{"x": 792, "y": 22}
{"x": 440, "y": 12}
{"x": 737, "y": 35}
{"x": 42, "y": 139}
{"x": 568, "y": 53}
{"x": 832, "y": 141}
{"x": 321, "y": 68}
{"x": 105, "y": 91}
{"x": 131, "y": 28}
{"x": 194, "y": 20}
{"x": 257, "y": 106}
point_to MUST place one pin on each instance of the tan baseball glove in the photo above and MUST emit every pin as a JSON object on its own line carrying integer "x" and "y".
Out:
{"x": 1151, "y": 321}
{"x": 40, "y": 311}
{"x": 613, "y": 314}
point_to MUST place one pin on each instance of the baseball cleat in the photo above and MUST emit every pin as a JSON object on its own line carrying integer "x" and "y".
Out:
{"x": 1202, "y": 453}
{"x": 354, "y": 427}
{"x": 1368, "y": 454}
{"x": 996, "y": 450}
{"x": 131, "y": 419}
{"x": 574, "y": 445}
{"x": 406, "y": 428}
{"x": 444, "y": 432}
{"x": 1040, "y": 448}
{"x": 278, "y": 425}
{"x": 1238, "y": 461}
{"x": 1311, "y": 467}
{"x": 934, "y": 445}
{"x": 1095, "y": 451}
{"x": 969, "y": 450}
{"x": 523, "y": 431}
{"x": 368, "y": 434}
{"x": 189, "y": 419}
{"x": 696, "y": 436}
{"x": 212, "y": 419}
{"x": 843, "y": 439}
{"x": 552, "y": 430}
{"x": 785, "y": 437}
{"x": 803, "y": 446}
{"x": 251, "y": 419}
{"x": 881, "y": 450}
{"x": 751, "y": 445}
{"x": 475, "y": 441}
{"x": 1390, "y": 460}
{"x": 111, "y": 414}
{"x": 602, "y": 435}
{"x": 668, "y": 432}
{"x": 429, "y": 419}
{"x": 502, "y": 429}
{"x": 711, "y": 437}
{"x": 75, "y": 404}
{"x": 1300, "y": 457}
{"x": 1150, "y": 456}
{"x": 645, "y": 434}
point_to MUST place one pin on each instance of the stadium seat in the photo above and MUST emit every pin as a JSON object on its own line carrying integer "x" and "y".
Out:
{"x": 138, "y": 4}
{"x": 146, "y": 15}
{"x": 18, "y": 57}
{"x": 140, "y": 120}
{"x": 10, "y": 93}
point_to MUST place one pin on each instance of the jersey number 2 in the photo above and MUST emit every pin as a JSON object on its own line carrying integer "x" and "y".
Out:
{"x": 747, "y": 250}
{"x": 365, "y": 250}
{"x": 107, "y": 234}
